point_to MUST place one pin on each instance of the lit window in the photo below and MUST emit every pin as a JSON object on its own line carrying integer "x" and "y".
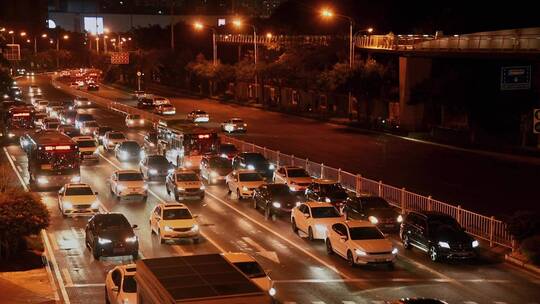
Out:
{"x": 221, "y": 22}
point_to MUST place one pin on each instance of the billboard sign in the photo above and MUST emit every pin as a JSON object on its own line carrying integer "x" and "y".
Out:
{"x": 94, "y": 25}
{"x": 119, "y": 57}
{"x": 516, "y": 78}
{"x": 12, "y": 52}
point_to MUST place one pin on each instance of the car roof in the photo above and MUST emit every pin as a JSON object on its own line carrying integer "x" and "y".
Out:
{"x": 77, "y": 138}
{"x": 238, "y": 257}
{"x": 126, "y": 171}
{"x": 318, "y": 204}
{"x": 77, "y": 185}
{"x": 358, "y": 223}
{"x": 172, "y": 205}
{"x": 244, "y": 171}
{"x": 325, "y": 181}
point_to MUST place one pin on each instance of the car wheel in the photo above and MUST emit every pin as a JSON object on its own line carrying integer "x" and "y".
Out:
{"x": 350, "y": 259}
{"x": 267, "y": 213}
{"x": 95, "y": 253}
{"x": 238, "y": 194}
{"x": 406, "y": 242}
{"x": 329, "y": 248}
{"x": 255, "y": 204}
{"x": 310, "y": 234}
{"x": 167, "y": 188}
{"x": 294, "y": 227}
{"x": 433, "y": 254}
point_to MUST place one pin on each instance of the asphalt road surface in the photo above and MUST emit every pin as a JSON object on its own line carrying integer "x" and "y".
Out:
{"x": 302, "y": 271}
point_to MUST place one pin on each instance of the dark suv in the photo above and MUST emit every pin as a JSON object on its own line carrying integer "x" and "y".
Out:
{"x": 328, "y": 191}
{"x": 437, "y": 234}
{"x": 374, "y": 209}
{"x": 254, "y": 161}
{"x": 111, "y": 235}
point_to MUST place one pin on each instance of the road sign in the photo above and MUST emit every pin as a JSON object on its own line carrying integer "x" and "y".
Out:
{"x": 536, "y": 121}
{"x": 516, "y": 78}
{"x": 12, "y": 52}
{"x": 119, "y": 57}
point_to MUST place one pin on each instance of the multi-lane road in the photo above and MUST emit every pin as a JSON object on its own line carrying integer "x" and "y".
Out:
{"x": 302, "y": 271}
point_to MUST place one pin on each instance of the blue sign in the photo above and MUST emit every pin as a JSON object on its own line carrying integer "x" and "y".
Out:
{"x": 516, "y": 78}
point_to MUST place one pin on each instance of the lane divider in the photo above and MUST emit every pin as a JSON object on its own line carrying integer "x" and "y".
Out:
{"x": 55, "y": 268}
{"x": 21, "y": 180}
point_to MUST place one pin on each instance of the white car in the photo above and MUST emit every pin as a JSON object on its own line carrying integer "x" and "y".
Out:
{"x": 81, "y": 102}
{"x": 198, "y": 116}
{"x": 78, "y": 199}
{"x": 184, "y": 184}
{"x": 158, "y": 101}
{"x": 173, "y": 221}
{"x": 74, "y": 85}
{"x": 128, "y": 183}
{"x": 234, "y": 125}
{"x": 120, "y": 285}
{"x": 111, "y": 139}
{"x": 89, "y": 127}
{"x": 88, "y": 148}
{"x": 165, "y": 109}
{"x": 243, "y": 182}
{"x": 314, "y": 218}
{"x": 295, "y": 177}
{"x": 55, "y": 111}
{"x": 253, "y": 270}
{"x": 135, "y": 120}
{"x": 360, "y": 242}
{"x": 41, "y": 105}
{"x": 34, "y": 89}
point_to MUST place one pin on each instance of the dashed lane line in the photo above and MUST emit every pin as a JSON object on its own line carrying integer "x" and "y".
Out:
{"x": 19, "y": 168}
{"x": 23, "y": 184}
{"x": 54, "y": 242}
{"x": 67, "y": 277}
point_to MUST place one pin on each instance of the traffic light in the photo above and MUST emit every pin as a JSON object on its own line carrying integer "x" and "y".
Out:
{"x": 536, "y": 121}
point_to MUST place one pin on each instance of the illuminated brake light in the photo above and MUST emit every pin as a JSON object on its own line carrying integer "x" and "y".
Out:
{"x": 204, "y": 136}
{"x": 21, "y": 114}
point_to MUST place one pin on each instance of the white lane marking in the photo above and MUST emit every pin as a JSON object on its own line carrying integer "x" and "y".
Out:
{"x": 67, "y": 277}
{"x": 163, "y": 201}
{"x": 318, "y": 302}
{"x": 88, "y": 285}
{"x": 19, "y": 168}
{"x": 313, "y": 256}
{"x": 469, "y": 302}
{"x": 13, "y": 158}
{"x": 271, "y": 255}
{"x": 54, "y": 241}
{"x": 348, "y": 302}
{"x": 56, "y": 270}
{"x": 253, "y": 243}
{"x": 23, "y": 184}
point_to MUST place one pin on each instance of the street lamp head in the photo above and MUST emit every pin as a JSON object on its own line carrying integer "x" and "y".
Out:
{"x": 44, "y": 36}
{"x": 269, "y": 35}
{"x": 23, "y": 34}
{"x": 97, "y": 38}
{"x": 198, "y": 26}
{"x": 11, "y": 32}
{"x": 66, "y": 37}
{"x": 123, "y": 39}
{"x": 370, "y": 30}
{"x": 237, "y": 23}
{"x": 27, "y": 40}
{"x": 3, "y": 29}
{"x": 129, "y": 38}
{"x": 327, "y": 13}
{"x": 113, "y": 40}
{"x": 106, "y": 37}
{"x": 51, "y": 41}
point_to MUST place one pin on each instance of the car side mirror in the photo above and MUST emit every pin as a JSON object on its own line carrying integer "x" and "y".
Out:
{"x": 307, "y": 215}
{"x": 135, "y": 226}
{"x": 343, "y": 238}
{"x": 115, "y": 289}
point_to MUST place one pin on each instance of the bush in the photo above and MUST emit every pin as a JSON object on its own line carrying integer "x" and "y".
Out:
{"x": 530, "y": 247}
{"x": 524, "y": 224}
{"x": 22, "y": 214}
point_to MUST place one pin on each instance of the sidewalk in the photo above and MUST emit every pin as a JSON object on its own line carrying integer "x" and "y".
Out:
{"x": 31, "y": 286}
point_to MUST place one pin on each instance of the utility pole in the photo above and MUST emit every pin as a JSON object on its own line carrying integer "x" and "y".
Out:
{"x": 172, "y": 24}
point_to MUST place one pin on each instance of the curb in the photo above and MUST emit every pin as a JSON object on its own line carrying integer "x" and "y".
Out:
{"x": 526, "y": 266}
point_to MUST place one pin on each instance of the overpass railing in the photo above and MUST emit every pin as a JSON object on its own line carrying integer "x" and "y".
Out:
{"x": 275, "y": 39}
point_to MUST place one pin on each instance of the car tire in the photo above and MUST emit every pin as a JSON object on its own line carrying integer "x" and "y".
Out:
{"x": 255, "y": 204}
{"x": 329, "y": 249}
{"x": 433, "y": 254}
{"x": 350, "y": 259}
{"x": 95, "y": 253}
{"x": 294, "y": 227}
{"x": 167, "y": 188}
{"x": 406, "y": 242}
{"x": 238, "y": 194}
{"x": 310, "y": 234}
{"x": 267, "y": 213}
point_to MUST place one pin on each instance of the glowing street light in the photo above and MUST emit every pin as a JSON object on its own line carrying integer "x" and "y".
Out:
{"x": 65, "y": 37}
{"x": 327, "y": 13}
{"x": 198, "y": 26}
{"x": 43, "y": 35}
{"x": 269, "y": 35}
{"x": 23, "y": 34}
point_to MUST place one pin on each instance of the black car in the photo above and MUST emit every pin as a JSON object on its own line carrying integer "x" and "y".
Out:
{"x": 274, "y": 199}
{"x": 70, "y": 131}
{"x": 100, "y": 132}
{"x": 214, "y": 168}
{"x": 328, "y": 191}
{"x": 155, "y": 167}
{"x": 374, "y": 209}
{"x": 111, "y": 234}
{"x": 228, "y": 151}
{"x": 68, "y": 117}
{"x": 128, "y": 150}
{"x": 438, "y": 234}
{"x": 93, "y": 87}
{"x": 145, "y": 103}
{"x": 254, "y": 161}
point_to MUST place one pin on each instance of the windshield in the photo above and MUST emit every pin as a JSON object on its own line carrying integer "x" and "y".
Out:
{"x": 52, "y": 125}
{"x": 86, "y": 143}
{"x": 82, "y": 98}
{"x": 297, "y": 173}
{"x": 250, "y": 177}
{"x": 365, "y": 233}
{"x": 187, "y": 177}
{"x": 79, "y": 191}
{"x": 157, "y": 161}
{"x": 116, "y": 136}
{"x": 255, "y": 158}
{"x": 200, "y": 112}
{"x": 130, "y": 177}
{"x": 176, "y": 214}
{"x": 85, "y": 117}
{"x": 237, "y": 121}
{"x": 135, "y": 116}
{"x": 438, "y": 221}
{"x": 129, "y": 285}
{"x": 324, "y": 212}
{"x": 331, "y": 188}
{"x": 43, "y": 103}
{"x": 374, "y": 203}
{"x": 251, "y": 269}
{"x": 279, "y": 189}
{"x": 130, "y": 145}
{"x": 111, "y": 221}
{"x": 91, "y": 124}
{"x": 218, "y": 162}
{"x": 228, "y": 149}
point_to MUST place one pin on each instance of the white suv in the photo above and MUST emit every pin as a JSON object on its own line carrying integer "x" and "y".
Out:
{"x": 295, "y": 177}
{"x": 120, "y": 285}
{"x": 78, "y": 199}
{"x": 313, "y": 218}
{"x": 111, "y": 139}
{"x": 243, "y": 182}
{"x": 173, "y": 221}
{"x": 88, "y": 148}
{"x": 184, "y": 184}
{"x": 128, "y": 183}
{"x": 360, "y": 242}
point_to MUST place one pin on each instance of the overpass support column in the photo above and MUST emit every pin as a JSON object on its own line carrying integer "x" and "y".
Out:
{"x": 412, "y": 70}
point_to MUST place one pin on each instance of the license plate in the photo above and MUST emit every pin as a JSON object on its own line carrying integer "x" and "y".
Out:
{"x": 380, "y": 260}
{"x": 119, "y": 250}
{"x": 389, "y": 226}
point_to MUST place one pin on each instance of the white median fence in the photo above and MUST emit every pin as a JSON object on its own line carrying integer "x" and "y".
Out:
{"x": 484, "y": 227}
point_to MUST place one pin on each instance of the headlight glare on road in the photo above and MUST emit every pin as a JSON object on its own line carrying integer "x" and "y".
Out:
{"x": 276, "y": 204}
{"x": 360, "y": 252}
{"x": 103, "y": 241}
{"x": 475, "y": 244}
{"x": 373, "y": 220}
{"x": 202, "y": 187}
{"x": 195, "y": 228}
{"x": 168, "y": 229}
{"x": 444, "y": 245}
{"x": 394, "y": 251}
{"x": 152, "y": 171}
{"x": 131, "y": 239}
{"x": 399, "y": 219}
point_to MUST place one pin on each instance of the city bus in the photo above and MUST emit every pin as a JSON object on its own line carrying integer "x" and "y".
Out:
{"x": 17, "y": 121}
{"x": 53, "y": 159}
{"x": 184, "y": 143}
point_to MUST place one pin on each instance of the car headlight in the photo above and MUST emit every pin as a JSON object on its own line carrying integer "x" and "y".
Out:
{"x": 181, "y": 188}
{"x": 103, "y": 241}
{"x": 394, "y": 251}
{"x": 251, "y": 167}
{"x": 170, "y": 171}
{"x": 141, "y": 121}
{"x": 298, "y": 204}
{"x": 152, "y": 171}
{"x": 320, "y": 228}
{"x": 131, "y": 239}
{"x": 360, "y": 252}
{"x": 223, "y": 155}
{"x": 214, "y": 174}
{"x": 272, "y": 292}
{"x": 202, "y": 187}
{"x": 11, "y": 135}
{"x": 168, "y": 229}
{"x": 244, "y": 188}
{"x": 276, "y": 204}
{"x": 95, "y": 205}
{"x": 271, "y": 167}
{"x": 475, "y": 244}
{"x": 373, "y": 220}
{"x": 68, "y": 121}
{"x": 68, "y": 205}
{"x": 399, "y": 219}
{"x": 444, "y": 245}
{"x": 195, "y": 228}
{"x": 6, "y": 96}
{"x": 327, "y": 199}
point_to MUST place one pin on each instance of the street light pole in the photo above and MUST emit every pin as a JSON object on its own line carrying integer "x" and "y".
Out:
{"x": 35, "y": 45}
{"x": 214, "y": 46}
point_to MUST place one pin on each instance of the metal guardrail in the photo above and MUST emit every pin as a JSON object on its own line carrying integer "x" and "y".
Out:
{"x": 275, "y": 39}
{"x": 487, "y": 228}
